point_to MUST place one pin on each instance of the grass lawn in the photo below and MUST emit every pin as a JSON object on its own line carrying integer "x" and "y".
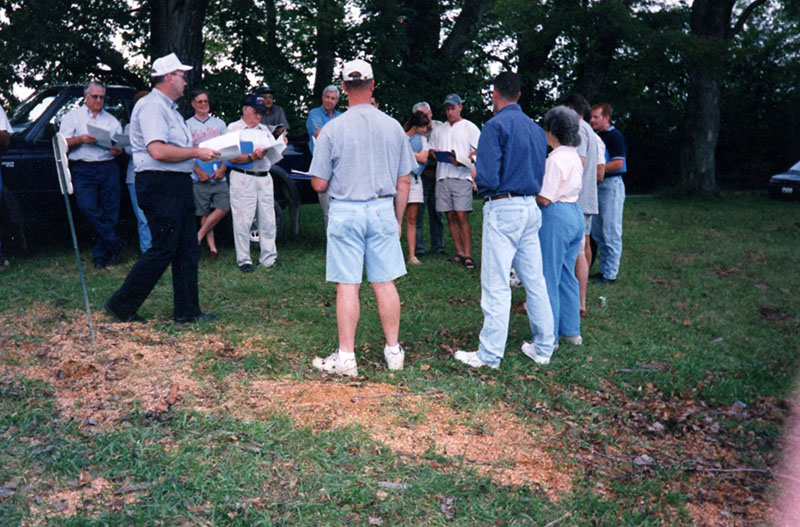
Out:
{"x": 670, "y": 413}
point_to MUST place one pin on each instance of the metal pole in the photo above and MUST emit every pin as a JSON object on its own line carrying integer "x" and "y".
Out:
{"x": 64, "y": 189}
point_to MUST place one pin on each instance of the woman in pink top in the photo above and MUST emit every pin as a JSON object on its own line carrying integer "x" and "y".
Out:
{"x": 562, "y": 221}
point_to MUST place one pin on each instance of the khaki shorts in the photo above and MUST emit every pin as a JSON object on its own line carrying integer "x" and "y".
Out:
{"x": 454, "y": 194}
{"x": 210, "y": 196}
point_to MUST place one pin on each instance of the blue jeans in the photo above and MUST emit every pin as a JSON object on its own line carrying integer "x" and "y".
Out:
{"x": 511, "y": 237}
{"x": 145, "y": 240}
{"x": 561, "y": 237}
{"x": 607, "y": 224}
{"x": 434, "y": 218}
{"x": 97, "y": 193}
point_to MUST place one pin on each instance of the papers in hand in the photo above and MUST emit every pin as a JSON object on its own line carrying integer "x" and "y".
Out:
{"x": 443, "y": 156}
{"x": 227, "y": 145}
{"x": 105, "y": 138}
{"x": 274, "y": 146}
{"x": 62, "y": 164}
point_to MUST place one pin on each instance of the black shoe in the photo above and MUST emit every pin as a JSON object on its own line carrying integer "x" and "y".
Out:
{"x": 596, "y": 276}
{"x": 99, "y": 263}
{"x": 116, "y": 256}
{"x": 604, "y": 281}
{"x": 275, "y": 265}
{"x": 246, "y": 268}
{"x": 202, "y": 317}
{"x": 130, "y": 318}
{"x": 419, "y": 252}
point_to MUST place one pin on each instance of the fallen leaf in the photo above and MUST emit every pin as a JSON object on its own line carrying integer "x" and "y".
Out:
{"x": 643, "y": 461}
{"x": 425, "y": 367}
{"x": 447, "y": 506}
{"x": 375, "y": 521}
{"x": 381, "y": 494}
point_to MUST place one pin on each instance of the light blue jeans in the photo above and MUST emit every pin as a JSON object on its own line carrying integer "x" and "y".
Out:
{"x": 511, "y": 237}
{"x": 607, "y": 225}
{"x": 145, "y": 239}
{"x": 561, "y": 237}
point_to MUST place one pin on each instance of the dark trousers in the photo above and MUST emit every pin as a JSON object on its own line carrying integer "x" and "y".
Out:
{"x": 434, "y": 218}
{"x": 168, "y": 204}
{"x": 97, "y": 193}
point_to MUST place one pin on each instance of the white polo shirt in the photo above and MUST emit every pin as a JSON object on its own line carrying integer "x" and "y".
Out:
{"x": 76, "y": 123}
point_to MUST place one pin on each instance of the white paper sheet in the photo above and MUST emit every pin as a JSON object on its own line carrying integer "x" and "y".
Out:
{"x": 227, "y": 145}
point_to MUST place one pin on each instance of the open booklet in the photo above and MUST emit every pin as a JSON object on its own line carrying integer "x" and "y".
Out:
{"x": 444, "y": 156}
{"x": 226, "y": 144}
{"x": 274, "y": 146}
{"x": 106, "y": 139}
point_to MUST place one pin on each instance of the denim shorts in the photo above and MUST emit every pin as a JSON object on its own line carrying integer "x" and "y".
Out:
{"x": 359, "y": 233}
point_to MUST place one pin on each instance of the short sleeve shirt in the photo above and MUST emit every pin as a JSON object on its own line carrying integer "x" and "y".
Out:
{"x": 76, "y": 123}
{"x": 4, "y": 124}
{"x": 202, "y": 130}
{"x": 616, "y": 148}
{"x": 318, "y": 117}
{"x": 246, "y": 143}
{"x": 461, "y": 138}
{"x": 562, "y": 175}
{"x": 156, "y": 118}
{"x": 587, "y": 199}
{"x": 361, "y": 154}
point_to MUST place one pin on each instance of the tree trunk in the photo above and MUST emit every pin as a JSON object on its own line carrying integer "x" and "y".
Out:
{"x": 327, "y": 14}
{"x": 176, "y": 26}
{"x": 711, "y": 32}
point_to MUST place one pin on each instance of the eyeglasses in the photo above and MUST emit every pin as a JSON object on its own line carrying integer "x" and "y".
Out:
{"x": 201, "y": 102}
{"x": 96, "y": 97}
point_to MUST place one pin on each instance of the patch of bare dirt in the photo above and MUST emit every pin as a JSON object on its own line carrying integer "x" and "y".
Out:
{"x": 134, "y": 365}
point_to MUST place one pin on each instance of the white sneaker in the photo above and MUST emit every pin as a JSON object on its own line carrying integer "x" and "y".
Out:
{"x": 530, "y": 351}
{"x": 394, "y": 360}
{"x": 470, "y": 358}
{"x": 335, "y": 365}
{"x": 577, "y": 340}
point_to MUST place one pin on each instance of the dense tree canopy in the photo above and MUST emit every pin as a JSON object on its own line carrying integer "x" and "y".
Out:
{"x": 649, "y": 59}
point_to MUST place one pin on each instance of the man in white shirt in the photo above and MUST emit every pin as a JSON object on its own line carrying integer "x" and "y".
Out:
{"x": 251, "y": 188}
{"x": 95, "y": 173}
{"x": 454, "y": 181}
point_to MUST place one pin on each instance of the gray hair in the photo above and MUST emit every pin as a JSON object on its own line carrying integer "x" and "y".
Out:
{"x": 421, "y": 106}
{"x": 91, "y": 83}
{"x": 563, "y": 123}
{"x": 331, "y": 88}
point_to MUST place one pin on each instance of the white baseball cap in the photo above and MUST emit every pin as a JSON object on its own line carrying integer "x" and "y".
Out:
{"x": 357, "y": 70}
{"x": 168, "y": 64}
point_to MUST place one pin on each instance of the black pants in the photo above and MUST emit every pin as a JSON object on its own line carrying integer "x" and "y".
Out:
{"x": 168, "y": 204}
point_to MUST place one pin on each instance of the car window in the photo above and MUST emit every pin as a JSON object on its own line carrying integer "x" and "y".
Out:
{"x": 113, "y": 105}
{"x": 29, "y": 111}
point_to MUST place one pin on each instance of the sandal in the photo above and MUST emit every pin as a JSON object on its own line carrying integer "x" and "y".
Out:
{"x": 468, "y": 262}
{"x": 456, "y": 259}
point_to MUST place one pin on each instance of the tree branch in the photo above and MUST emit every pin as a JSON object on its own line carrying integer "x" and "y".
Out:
{"x": 745, "y": 15}
{"x": 465, "y": 28}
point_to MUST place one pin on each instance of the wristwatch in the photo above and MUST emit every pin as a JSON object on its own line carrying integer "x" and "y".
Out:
{"x": 249, "y": 158}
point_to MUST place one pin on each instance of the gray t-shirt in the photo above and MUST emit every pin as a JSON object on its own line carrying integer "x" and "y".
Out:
{"x": 587, "y": 199}
{"x": 156, "y": 118}
{"x": 362, "y": 153}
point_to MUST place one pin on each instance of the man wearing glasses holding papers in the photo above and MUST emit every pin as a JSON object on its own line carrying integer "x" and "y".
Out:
{"x": 95, "y": 173}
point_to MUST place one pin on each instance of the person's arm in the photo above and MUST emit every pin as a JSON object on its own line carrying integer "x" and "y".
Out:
{"x": 257, "y": 154}
{"x": 489, "y": 161}
{"x": 220, "y": 172}
{"x": 312, "y": 125}
{"x": 614, "y": 165}
{"x": 202, "y": 175}
{"x": 166, "y": 153}
{"x": 319, "y": 184}
{"x": 401, "y": 200}
{"x": 601, "y": 172}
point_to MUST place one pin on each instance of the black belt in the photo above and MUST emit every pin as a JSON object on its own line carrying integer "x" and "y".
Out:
{"x": 81, "y": 162}
{"x": 503, "y": 196}
{"x": 252, "y": 173}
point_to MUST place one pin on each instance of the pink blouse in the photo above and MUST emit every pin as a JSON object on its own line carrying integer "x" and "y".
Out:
{"x": 563, "y": 173}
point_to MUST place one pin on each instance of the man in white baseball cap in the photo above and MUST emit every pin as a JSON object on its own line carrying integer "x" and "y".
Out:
{"x": 163, "y": 158}
{"x": 362, "y": 160}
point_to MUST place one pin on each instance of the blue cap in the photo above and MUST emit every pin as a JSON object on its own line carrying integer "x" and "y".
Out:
{"x": 453, "y": 99}
{"x": 255, "y": 101}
